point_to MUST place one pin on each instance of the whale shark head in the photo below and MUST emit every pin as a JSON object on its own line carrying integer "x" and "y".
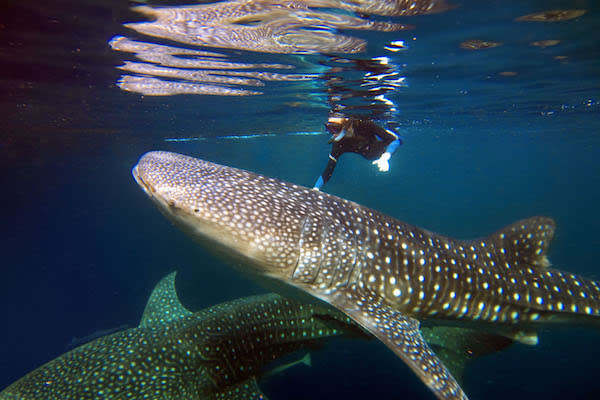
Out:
{"x": 242, "y": 214}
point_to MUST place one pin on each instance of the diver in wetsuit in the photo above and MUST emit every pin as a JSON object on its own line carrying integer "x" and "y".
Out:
{"x": 361, "y": 136}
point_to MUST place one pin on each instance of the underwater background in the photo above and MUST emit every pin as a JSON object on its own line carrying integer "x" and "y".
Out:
{"x": 491, "y": 135}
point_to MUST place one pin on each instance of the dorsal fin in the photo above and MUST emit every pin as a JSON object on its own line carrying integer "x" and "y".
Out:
{"x": 525, "y": 241}
{"x": 163, "y": 305}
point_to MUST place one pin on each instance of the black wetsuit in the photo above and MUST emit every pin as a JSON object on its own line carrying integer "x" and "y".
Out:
{"x": 368, "y": 139}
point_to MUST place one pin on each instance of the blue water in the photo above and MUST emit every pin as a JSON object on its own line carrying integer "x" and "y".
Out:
{"x": 81, "y": 246}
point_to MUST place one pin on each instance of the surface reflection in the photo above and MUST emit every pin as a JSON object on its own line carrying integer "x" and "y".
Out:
{"x": 288, "y": 27}
{"x": 552, "y": 16}
{"x": 264, "y": 26}
{"x": 208, "y": 67}
{"x": 358, "y": 87}
{"x": 478, "y": 44}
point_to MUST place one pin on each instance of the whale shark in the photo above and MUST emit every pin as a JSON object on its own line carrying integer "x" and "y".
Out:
{"x": 215, "y": 353}
{"x": 387, "y": 275}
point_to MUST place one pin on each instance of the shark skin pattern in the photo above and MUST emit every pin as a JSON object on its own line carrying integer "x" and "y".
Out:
{"x": 385, "y": 274}
{"x": 174, "y": 354}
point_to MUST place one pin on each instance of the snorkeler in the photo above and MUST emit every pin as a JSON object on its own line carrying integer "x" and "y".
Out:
{"x": 361, "y": 136}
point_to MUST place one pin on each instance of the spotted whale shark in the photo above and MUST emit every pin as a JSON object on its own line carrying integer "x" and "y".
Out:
{"x": 387, "y": 275}
{"x": 216, "y": 353}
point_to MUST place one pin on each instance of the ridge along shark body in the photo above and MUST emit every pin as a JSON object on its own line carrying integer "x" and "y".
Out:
{"x": 385, "y": 274}
{"x": 175, "y": 354}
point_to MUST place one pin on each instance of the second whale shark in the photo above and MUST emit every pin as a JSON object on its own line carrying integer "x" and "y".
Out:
{"x": 216, "y": 353}
{"x": 385, "y": 274}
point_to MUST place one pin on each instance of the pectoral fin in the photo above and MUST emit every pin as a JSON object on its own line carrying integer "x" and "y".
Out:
{"x": 401, "y": 334}
{"x": 247, "y": 390}
{"x": 457, "y": 346}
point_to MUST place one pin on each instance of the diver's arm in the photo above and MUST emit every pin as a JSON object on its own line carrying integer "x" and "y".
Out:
{"x": 383, "y": 161}
{"x": 326, "y": 173}
{"x": 386, "y": 135}
{"x": 392, "y": 147}
{"x": 319, "y": 183}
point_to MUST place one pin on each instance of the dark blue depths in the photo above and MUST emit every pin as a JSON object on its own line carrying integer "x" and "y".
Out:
{"x": 82, "y": 248}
